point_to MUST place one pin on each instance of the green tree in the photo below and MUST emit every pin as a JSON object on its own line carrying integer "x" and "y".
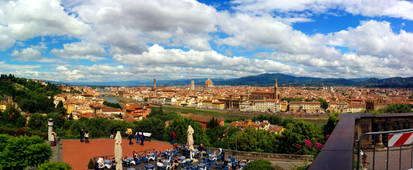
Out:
{"x": 31, "y": 96}
{"x": 54, "y": 166}
{"x": 61, "y": 109}
{"x": 91, "y": 164}
{"x": 58, "y": 119}
{"x": 275, "y": 120}
{"x": 180, "y": 127}
{"x": 115, "y": 105}
{"x": 38, "y": 121}
{"x": 24, "y": 151}
{"x": 397, "y": 108}
{"x": 216, "y": 136}
{"x": 323, "y": 103}
{"x": 251, "y": 139}
{"x": 12, "y": 117}
{"x": 331, "y": 123}
{"x": 3, "y": 141}
{"x": 296, "y": 133}
{"x": 212, "y": 123}
{"x": 153, "y": 125}
{"x": 259, "y": 164}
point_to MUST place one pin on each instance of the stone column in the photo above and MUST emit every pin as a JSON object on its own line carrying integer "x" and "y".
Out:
{"x": 380, "y": 137}
{"x": 50, "y": 130}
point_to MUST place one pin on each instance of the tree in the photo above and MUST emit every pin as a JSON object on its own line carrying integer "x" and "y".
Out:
{"x": 397, "y": 108}
{"x": 153, "y": 125}
{"x": 54, "y": 166}
{"x": 216, "y": 136}
{"x": 331, "y": 123}
{"x": 275, "y": 120}
{"x": 38, "y": 121}
{"x": 212, "y": 123}
{"x": 115, "y": 105}
{"x": 251, "y": 139}
{"x": 323, "y": 103}
{"x": 3, "y": 141}
{"x": 180, "y": 127}
{"x": 61, "y": 109}
{"x": 294, "y": 135}
{"x": 259, "y": 164}
{"x": 31, "y": 96}
{"x": 24, "y": 151}
{"x": 91, "y": 164}
{"x": 161, "y": 109}
{"x": 58, "y": 119}
{"x": 12, "y": 116}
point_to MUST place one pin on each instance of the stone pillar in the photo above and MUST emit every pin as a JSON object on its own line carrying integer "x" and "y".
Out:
{"x": 50, "y": 130}
{"x": 410, "y": 120}
{"x": 380, "y": 137}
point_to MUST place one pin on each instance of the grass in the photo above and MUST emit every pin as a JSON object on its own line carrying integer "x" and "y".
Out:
{"x": 229, "y": 115}
{"x": 182, "y": 110}
{"x": 318, "y": 122}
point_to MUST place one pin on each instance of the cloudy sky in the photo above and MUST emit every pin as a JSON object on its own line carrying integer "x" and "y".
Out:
{"x": 121, "y": 40}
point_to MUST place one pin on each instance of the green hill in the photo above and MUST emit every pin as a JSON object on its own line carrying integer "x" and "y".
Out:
{"x": 31, "y": 96}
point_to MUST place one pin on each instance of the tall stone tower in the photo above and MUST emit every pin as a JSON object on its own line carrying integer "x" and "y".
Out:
{"x": 192, "y": 85}
{"x": 276, "y": 90}
{"x": 154, "y": 84}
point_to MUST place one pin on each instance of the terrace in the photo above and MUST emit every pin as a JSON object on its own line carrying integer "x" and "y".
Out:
{"x": 177, "y": 157}
{"x": 147, "y": 156}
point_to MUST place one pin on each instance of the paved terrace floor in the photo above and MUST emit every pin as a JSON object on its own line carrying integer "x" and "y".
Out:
{"x": 394, "y": 155}
{"x": 78, "y": 154}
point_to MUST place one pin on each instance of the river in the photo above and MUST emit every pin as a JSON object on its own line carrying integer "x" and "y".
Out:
{"x": 109, "y": 98}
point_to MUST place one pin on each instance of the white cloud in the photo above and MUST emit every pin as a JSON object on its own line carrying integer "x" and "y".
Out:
{"x": 146, "y": 39}
{"x": 33, "y": 54}
{"x": 27, "y": 54}
{"x": 253, "y": 32}
{"x": 81, "y": 50}
{"x": 375, "y": 38}
{"x": 128, "y": 25}
{"x": 70, "y": 75}
{"x": 100, "y": 73}
{"x": 157, "y": 55}
{"x": 391, "y": 8}
{"x": 23, "y": 19}
{"x": 373, "y": 50}
{"x": 5, "y": 67}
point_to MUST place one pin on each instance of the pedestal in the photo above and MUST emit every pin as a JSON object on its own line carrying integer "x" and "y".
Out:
{"x": 50, "y": 130}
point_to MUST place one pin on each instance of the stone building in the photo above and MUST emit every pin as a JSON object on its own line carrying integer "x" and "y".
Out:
{"x": 306, "y": 107}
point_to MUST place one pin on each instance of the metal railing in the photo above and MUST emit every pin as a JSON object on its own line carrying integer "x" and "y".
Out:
{"x": 374, "y": 134}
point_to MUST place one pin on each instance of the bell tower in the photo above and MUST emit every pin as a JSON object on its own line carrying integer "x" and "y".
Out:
{"x": 276, "y": 92}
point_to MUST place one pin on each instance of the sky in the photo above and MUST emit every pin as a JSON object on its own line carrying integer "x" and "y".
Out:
{"x": 125, "y": 40}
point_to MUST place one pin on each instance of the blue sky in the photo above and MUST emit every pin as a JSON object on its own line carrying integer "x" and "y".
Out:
{"x": 106, "y": 40}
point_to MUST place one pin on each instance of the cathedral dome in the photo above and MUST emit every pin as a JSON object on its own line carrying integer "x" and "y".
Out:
{"x": 208, "y": 83}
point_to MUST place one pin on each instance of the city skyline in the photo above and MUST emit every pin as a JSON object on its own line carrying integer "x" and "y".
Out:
{"x": 97, "y": 41}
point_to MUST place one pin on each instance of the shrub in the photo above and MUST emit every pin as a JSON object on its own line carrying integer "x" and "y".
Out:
{"x": 24, "y": 151}
{"x": 259, "y": 164}
{"x": 54, "y": 166}
{"x": 91, "y": 164}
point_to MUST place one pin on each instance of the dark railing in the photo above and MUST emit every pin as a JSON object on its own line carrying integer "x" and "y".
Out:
{"x": 338, "y": 153}
{"x": 374, "y": 142}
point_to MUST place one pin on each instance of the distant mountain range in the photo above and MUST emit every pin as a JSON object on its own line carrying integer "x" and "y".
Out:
{"x": 268, "y": 80}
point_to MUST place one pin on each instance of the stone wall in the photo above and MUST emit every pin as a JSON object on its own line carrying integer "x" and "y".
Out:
{"x": 267, "y": 156}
